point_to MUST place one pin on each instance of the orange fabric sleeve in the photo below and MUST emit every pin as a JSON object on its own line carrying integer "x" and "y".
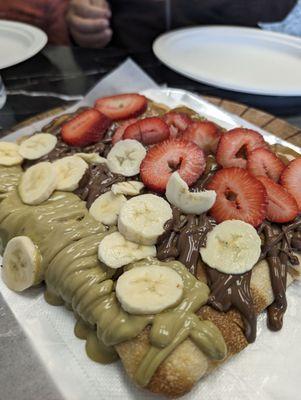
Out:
{"x": 48, "y": 15}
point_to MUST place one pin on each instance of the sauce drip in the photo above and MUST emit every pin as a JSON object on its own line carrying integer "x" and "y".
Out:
{"x": 229, "y": 290}
{"x": 277, "y": 250}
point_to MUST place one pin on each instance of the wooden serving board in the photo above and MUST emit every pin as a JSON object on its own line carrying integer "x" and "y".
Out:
{"x": 277, "y": 126}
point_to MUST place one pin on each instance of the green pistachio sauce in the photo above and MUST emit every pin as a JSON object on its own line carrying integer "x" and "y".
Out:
{"x": 68, "y": 238}
{"x": 9, "y": 179}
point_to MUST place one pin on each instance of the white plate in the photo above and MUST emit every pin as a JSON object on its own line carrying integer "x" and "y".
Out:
{"x": 18, "y": 42}
{"x": 242, "y": 59}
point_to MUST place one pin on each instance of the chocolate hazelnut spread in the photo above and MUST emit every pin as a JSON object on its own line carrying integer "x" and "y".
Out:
{"x": 97, "y": 180}
{"x": 183, "y": 237}
{"x": 228, "y": 290}
{"x": 277, "y": 250}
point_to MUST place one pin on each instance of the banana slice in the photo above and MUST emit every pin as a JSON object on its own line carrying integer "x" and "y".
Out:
{"x": 106, "y": 208}
{"x": 9, "y": 154}
{"x": 115, "y": 251}
{"x": 69, "y": 171}
{"x": 142, "y": 218}
{"x": 149, "y": 289}
{"x": 92, "y": 158}
{"x": 233, "y": 247}
{"x": 129, "y": 188}
{"x": 21, "y": 264}
{"x": 125, "y": 157}
{"x": 37, "y": 146}
{"x": 178, "y": 194}
{"x": 37, "y": 183}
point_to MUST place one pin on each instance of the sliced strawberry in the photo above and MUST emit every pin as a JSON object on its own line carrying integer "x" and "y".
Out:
{"x": 85, "y": 128}
{"x": 205, "y": 134}
{"x": 291, "y": 180}
{"x": 122, "y": 106}
{"x": 148, "y": 131}
{"x": 262, "y": 162}
{"x": 236, "y": 145}
{"x": 282, "y": 207}
{"x": 177, "y": 122}
{"x": 118, "y": 135}
{"x": 239, "y": 196}
{"x": 172, "y": 155}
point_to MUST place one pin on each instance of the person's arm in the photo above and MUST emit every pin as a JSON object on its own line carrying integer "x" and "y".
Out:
{"x": 89, "y": 22}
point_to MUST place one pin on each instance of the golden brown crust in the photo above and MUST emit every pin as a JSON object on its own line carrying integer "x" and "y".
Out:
{"x": 187, "y": 364}
{"x": 176, "y": 376}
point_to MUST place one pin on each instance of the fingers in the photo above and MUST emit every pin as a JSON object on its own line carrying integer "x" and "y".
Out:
{"x": 83, "y": 25}
{"x": 92, "y": 40}
{"x": 102, "y": 3}
{"x": 85, "y": 9}
{"x": 89, "y": 23}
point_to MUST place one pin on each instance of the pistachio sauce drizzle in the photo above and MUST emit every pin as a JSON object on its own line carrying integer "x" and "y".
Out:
{"x": 68, "y": 237}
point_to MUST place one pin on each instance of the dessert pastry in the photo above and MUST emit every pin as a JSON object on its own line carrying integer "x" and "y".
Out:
{"x": 165, "y": 234}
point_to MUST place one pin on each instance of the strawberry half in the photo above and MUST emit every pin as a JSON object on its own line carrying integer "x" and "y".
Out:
{"x": 85, "y": 128}
{"x": 262, "y": 162}
{"x": 236, "y": 145}
{"x": 291, "y": 180}
{"x": 282, "y": 207}
{"x": 148, "y": 131}
{"x": 205, "y": 134}
{"x": 172, "y": 155}
{"x": 238, "y": 196}
{"x": 122, "y": 106}
{"x": 177, "y": 122}
{"x": 118, "y": 135}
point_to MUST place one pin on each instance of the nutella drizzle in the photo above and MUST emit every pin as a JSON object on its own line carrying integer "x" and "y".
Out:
{"x": 183, "y": 237}
{"x": 97, "y": 180}
{"x": 277, "y": 250}
{"x": 229, "y": 290}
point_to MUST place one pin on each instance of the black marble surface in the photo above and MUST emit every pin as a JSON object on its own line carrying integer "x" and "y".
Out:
{"x": 67, "y": 73}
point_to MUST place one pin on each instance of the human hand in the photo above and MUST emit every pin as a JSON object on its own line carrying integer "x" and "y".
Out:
{"x": 89, "y": 22}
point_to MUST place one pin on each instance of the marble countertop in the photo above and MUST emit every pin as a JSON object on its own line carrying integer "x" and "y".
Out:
{"x": 59, "y": 75}
{"x": 56, "y": 76}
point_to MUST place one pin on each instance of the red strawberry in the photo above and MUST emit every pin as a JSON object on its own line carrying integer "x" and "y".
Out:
{"x": 172, "y": 155}
{"x": 205, "y": 134}
{"x": 282, "y": 207}
{"x": 239, "y": 196}
{"x": 122, "y": 106}
{"x": 236, "y": 145}
{"x": 85, "y": 128}
{"x": 265, "y": 163}
{"x": 118, "y": 135}
{"x": 177, "y": 122}
{"x": 148, "y": 131}
{"x": 291, "y": 180}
